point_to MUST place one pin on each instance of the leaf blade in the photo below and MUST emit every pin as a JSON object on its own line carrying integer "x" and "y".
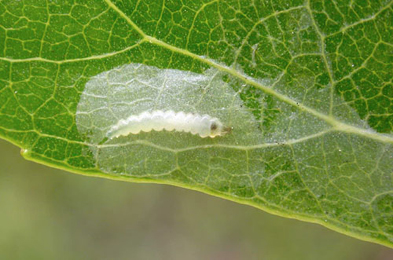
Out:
{"x": 293, "y": 60}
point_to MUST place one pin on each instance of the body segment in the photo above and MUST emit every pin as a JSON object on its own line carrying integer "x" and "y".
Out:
{"x": 202, "y": 125}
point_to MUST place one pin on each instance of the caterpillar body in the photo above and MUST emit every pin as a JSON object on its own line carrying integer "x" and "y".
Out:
{"x": 202, "y": 125}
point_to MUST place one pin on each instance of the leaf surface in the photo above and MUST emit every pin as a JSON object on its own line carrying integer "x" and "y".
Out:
{"x": 313, "y": 80}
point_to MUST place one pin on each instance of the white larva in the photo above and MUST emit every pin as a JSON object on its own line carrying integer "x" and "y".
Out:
{"x": 202, "y": 125}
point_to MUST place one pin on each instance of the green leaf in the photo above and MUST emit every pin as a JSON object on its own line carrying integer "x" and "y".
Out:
{"x": 312, "y": 106}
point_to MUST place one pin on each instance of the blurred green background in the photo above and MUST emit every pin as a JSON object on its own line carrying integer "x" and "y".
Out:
{"x": 51, "y": 214}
